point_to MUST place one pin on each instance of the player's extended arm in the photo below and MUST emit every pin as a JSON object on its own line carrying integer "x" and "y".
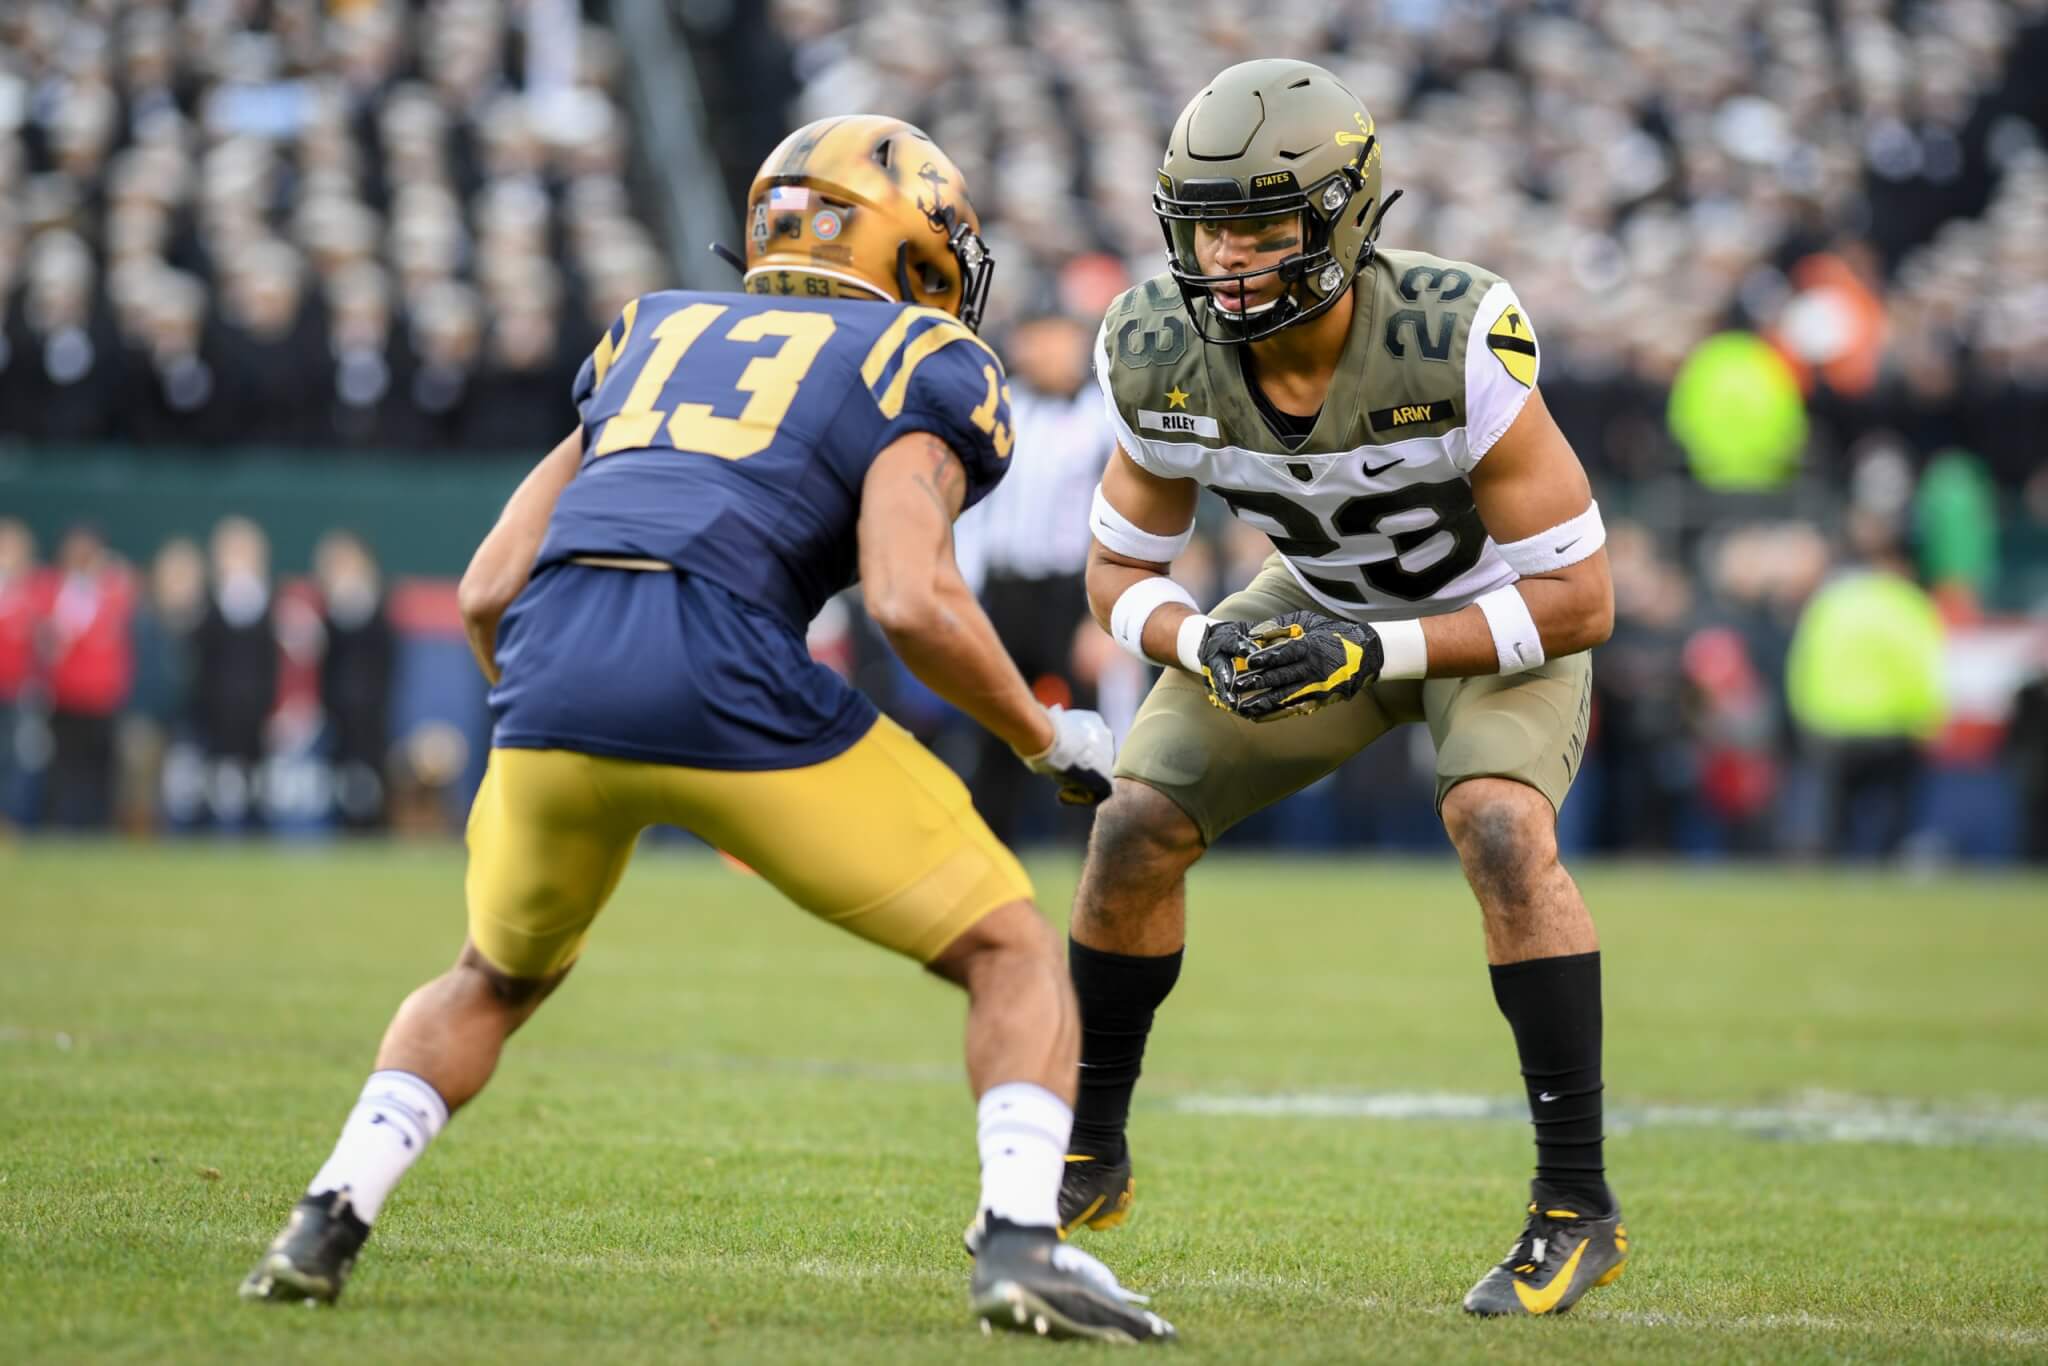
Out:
{"x": 913, "y": 590}
{"x": 1535, "y": 502}
{"x": 1140, "y": 523}
{"x": 501, "y": 565}
{"x": 1147, "y": 522}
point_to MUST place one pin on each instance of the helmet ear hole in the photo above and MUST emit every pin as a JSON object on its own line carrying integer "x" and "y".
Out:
{"x": 883, "y": 150}
{"x": 903, "y": 290}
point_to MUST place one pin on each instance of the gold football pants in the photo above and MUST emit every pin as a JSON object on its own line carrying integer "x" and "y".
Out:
{"x": 881, "y": 840}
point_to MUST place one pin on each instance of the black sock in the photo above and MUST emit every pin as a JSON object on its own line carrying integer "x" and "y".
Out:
{"x": 1118, "y": 993}
{"x": 1553, "y": 1006}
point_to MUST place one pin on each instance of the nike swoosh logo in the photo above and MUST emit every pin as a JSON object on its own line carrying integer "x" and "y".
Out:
{"x": 1369, "y": 471}
{"x": 1568, "y": 545}
{"x": 1544, "y": 1300}
{"x": 1546, "y": 1098}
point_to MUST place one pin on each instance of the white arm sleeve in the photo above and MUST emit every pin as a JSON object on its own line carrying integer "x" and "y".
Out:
{"x": 1567, "y": 543}
{"x": 1501, "y": 361}
{"x": 1120, "y": 534}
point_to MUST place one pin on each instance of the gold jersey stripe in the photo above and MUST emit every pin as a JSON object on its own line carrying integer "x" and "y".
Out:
{"x": 607, "y": 349}
{"x": 944, "y": 331}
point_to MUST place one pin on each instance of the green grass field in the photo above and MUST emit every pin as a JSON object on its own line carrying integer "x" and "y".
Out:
{"x": 736, "y": 1137}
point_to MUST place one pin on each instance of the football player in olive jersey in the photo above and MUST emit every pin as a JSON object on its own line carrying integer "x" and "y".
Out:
{"x": 1437, "y": 559}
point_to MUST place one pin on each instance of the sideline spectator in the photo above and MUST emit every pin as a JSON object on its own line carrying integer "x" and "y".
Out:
{"x": 2030, "y": 760}
{"x": 19, "y": 614}
{"x": 236, "y": 684}
{"x": 356, "y": 672}
{"x": 1864, "y": 680}
{"x": 91, "y": 609}
{"x": 165, "y": 621}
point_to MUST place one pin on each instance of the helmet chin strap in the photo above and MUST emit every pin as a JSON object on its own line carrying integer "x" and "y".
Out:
{"x": 1372, "y": 233}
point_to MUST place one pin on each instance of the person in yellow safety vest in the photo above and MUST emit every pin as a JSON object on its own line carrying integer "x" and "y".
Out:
{"x": 1864, "y": 682}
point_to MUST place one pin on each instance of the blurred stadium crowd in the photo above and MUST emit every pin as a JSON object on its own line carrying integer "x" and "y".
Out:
{"x": 296, "y": 223}
{"x": 1864, "y": 181}
{"x": 1788, "y": 262}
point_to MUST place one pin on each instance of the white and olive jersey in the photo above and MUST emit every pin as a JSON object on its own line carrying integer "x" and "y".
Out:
{"x": 1373, "y": 512}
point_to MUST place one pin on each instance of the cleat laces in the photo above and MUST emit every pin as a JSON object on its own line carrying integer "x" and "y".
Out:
{"x": 1526, "y": 1254}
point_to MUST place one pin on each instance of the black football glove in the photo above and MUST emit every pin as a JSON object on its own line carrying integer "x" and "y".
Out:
{"x": 1225, "y": 647}
{"x": 1306, "y": 661}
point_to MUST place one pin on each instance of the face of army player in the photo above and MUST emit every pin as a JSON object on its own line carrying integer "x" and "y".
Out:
{"x": 1248, "y": 246}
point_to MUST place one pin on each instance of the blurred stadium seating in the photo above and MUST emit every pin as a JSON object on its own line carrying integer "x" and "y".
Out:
{"x": 359, "y": 237}
{"x": 355, "y": 224}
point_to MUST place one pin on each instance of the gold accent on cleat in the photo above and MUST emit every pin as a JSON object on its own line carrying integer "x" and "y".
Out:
{"x": 1544, "y": 1300}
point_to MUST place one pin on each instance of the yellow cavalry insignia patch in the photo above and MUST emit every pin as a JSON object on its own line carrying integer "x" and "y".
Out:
{"x": 1514, "y": 346}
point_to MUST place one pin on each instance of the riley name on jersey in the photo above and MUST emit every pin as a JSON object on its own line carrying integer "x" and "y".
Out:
{"x": 1372, "y": 508}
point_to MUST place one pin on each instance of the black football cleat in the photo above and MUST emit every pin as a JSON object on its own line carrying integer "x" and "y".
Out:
{"x": 310, "y": 1260}
{"x": 1026, "y": 1280}
{"x": 1561, "y": 1254}
{"x": 1095, "y": 1193}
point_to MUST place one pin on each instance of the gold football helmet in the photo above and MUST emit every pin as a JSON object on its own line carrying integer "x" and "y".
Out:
{"x": 866, "y": 207}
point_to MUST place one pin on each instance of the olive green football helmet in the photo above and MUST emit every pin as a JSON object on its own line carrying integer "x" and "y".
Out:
{"x": 1271, "y": 137}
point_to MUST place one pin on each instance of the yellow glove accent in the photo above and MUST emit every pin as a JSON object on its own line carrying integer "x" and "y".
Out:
{"x": 1353, "y": 658}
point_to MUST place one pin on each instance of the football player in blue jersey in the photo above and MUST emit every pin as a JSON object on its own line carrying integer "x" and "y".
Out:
{"x": 640, "y": 610}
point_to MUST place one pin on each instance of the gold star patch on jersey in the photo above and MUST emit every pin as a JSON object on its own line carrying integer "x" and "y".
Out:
{"x": 1514, "y": 346}
{"x": 1176, "y": 397}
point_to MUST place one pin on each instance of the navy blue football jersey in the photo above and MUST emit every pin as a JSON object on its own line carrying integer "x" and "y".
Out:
{"x": 729, "y": 434}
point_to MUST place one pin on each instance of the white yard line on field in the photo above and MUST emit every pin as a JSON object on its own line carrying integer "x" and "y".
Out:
{"x": 1814, "y": 1117}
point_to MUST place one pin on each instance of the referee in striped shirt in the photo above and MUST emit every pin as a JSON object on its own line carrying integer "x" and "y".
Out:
{"x": 1029, "y": 542}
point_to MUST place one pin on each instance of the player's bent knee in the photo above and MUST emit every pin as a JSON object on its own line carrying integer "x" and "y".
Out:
{"x": 1141, "y": 835}
{"x": 1505, "y": 833}
{"x": 517, "y": 995}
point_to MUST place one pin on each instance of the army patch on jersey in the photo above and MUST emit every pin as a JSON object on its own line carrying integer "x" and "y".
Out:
{"x": 1412, "y": 415}
{"x": 1514, "y": 346}
{"x": 1193, "y": 424}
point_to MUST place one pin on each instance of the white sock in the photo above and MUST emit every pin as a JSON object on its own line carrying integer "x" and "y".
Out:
{"x": 395, "y": 1119}
{"x": 1022, "y": 1130}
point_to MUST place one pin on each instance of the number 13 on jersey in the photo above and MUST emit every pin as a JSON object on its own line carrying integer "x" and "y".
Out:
{"x": 770, "y": 382}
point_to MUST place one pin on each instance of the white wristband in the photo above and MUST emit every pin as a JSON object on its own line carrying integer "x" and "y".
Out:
{"x": 1515, "y": 639}
{"x": 1187, "y": 646}
{"x": 1119, "y": 533}
{"x": 1135, "y": 606}
{"x": 1405, "y": 651}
